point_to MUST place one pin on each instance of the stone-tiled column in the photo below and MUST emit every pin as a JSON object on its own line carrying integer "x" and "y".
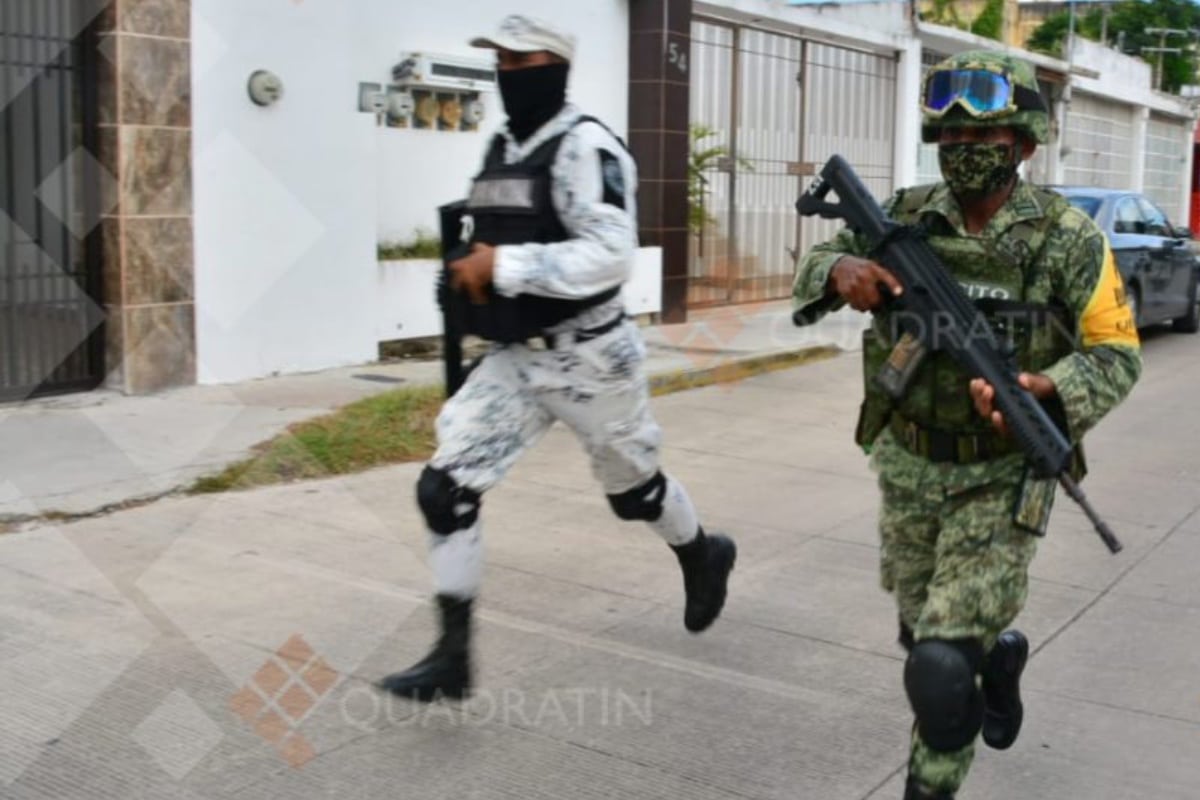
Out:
{"x": 144, "y": 93}
{"x": 659, "y": 69}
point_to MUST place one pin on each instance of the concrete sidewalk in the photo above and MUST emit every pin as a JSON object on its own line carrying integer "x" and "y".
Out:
{"x": 81, "y": 453}
{"x": 222, "y": 646}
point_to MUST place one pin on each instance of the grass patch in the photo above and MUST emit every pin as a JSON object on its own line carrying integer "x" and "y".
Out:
{"x": 398, "y": 426}
{"x": 388, "y": 428}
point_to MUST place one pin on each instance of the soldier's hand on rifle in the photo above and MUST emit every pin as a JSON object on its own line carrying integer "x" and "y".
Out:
{"x": 473, "y": 272}
{"x": 983, "y": 395}
{"x": 858, "y": 280}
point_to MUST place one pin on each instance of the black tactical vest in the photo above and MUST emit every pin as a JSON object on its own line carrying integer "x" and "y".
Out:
{"x": 511, "y": 204}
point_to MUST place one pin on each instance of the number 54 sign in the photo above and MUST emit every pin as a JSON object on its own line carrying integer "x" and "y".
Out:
{"x": 677, "y": 56}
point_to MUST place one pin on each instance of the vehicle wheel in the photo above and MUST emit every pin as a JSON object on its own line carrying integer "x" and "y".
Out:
{"x": 1134, "y": 298}
{"x": 1189, "y": 322}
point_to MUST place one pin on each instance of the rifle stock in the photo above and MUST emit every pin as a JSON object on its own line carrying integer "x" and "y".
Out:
{"x": 938, "y": 315}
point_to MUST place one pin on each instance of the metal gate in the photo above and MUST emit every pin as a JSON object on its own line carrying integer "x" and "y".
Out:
{"x": 51, "y": 333}
{"x": 765, "y": 109}
{"x": 1099, "y": 140}
{"x": 1167, "y": 144}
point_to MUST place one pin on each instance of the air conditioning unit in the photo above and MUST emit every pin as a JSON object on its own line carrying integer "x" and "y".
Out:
{"x": 445, "y": 73}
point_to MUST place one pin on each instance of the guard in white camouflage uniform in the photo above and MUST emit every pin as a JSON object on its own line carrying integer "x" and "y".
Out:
{"x": 554, "y": 232}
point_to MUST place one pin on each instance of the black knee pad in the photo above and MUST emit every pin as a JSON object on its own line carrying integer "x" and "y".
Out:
{"x": 447, "y": 506}
{"x": 643, "y": 502}
{"x": 939, "y": 678}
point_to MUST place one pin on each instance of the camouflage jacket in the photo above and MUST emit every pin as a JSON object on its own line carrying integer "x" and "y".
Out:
{"x": 1080, "y": 272}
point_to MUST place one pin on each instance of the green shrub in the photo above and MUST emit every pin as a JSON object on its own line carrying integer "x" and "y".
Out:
{"x": 423, "y": 244}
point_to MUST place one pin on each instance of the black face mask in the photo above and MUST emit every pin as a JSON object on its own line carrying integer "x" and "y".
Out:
{"x": 531, "y": 96}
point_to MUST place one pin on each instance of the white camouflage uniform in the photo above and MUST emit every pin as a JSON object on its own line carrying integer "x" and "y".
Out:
{"x": 597, "y": 387}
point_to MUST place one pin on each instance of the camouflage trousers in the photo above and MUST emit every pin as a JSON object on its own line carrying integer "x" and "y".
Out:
{"x": 958, "y": 568}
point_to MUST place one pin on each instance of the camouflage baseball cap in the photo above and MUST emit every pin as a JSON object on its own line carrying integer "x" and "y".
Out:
{"x": 1023, "y": 106}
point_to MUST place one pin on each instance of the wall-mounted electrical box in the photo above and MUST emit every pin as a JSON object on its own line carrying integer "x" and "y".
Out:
{"x": 438, "y": 92}
{"x": 445, "y": 73}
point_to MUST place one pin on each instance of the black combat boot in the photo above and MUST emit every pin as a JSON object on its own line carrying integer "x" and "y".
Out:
{"x": 446, "y": 671}
{"x": 913, "y": 791}
{"x": 1002, "y": 709}
{"x": 706, "y": 562}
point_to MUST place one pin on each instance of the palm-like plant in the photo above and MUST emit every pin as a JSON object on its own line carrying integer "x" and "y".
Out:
{"x": 701, "y": 159}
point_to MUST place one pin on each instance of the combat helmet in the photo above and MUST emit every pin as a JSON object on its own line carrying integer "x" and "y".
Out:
{"x": 983, "y": 88}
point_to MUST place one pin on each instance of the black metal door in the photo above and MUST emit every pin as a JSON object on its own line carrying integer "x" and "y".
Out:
{"x": 51, "y": 320}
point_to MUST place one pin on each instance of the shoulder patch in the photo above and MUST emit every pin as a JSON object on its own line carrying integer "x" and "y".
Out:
{"x": 613, "y": 179}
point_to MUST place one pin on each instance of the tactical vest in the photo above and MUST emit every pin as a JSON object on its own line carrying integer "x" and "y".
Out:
{"x": 511, "y": 204}
{"x": 1002, "y": 275}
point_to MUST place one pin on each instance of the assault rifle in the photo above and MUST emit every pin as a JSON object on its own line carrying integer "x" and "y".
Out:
{"x": 937, "y": 314}
{"x": 450, "y": 217}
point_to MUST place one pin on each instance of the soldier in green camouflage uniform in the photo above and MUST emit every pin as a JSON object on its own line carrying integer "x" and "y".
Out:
{"x": 960, "y": 512}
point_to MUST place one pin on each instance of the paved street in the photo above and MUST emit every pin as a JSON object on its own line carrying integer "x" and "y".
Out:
{"x": 222, "y": 647}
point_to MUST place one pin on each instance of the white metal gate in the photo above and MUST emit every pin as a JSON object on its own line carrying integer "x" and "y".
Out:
{"x": 1167, "y": 140}
{"x": 766, "y": 107}
{"x": 851, "y": 112}
{"x": 1099, "y": 143}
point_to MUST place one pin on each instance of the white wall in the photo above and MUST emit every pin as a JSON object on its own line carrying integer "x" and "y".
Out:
{"x": 908, "y": 115}
{"x": 1116, "y": 69}
{"x": 291, "y": 200}
{"x": 399, "y": 281}
{"x": 284, "y": 196}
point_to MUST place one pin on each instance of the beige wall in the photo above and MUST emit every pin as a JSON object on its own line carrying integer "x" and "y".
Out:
{"x": 145, "y": 139}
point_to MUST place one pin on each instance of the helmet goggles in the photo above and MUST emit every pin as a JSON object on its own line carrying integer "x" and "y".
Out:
{"x": 981, "y": 93}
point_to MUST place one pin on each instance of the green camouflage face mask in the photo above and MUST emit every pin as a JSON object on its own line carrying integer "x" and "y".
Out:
{"x": 974, "y": 169}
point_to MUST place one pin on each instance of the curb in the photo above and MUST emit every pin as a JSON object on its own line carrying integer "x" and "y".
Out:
{"x": 737, "y": 369}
